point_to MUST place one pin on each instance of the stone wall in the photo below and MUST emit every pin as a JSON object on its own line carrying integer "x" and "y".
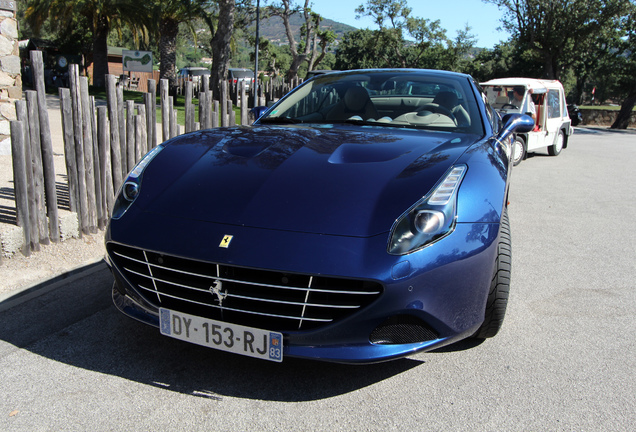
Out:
{"x": 600, "y": 117}
{"x": 10, "y": 78}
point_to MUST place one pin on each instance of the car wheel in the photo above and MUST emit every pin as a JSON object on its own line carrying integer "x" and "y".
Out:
{"x": 556, "y": 148}
{"x": 499, "y": 286}
{"x": 518, "y": 150}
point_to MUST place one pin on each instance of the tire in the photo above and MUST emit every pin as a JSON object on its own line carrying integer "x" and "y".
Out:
{"x": 499, "y": 286}
{"x": 518, "y": 150}
{"x": 556, "y": 148}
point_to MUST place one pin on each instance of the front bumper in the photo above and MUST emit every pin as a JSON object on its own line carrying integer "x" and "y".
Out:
{"x": 444, "y": 285}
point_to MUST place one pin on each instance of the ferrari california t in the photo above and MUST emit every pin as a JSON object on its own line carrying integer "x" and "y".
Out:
{"x": 361, "y": 218}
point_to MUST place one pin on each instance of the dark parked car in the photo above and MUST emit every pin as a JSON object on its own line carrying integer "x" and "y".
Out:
{"x": 361, "y": 218}
{"x": 241, "y": 76}
{"x": 575, "y": 114}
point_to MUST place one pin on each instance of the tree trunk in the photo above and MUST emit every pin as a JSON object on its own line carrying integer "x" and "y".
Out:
{"x": 169, "y": 28}
{"x": 100, "y": 53}
{"x": 221, "y": 43}
{"x": 624, "y": 115}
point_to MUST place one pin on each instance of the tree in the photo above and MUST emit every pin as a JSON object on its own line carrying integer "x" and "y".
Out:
{"x": 166, "y": 17}
{"x": 555, "y": 29}
{"x": 506, "y": 59}
{"x": 312, "y": 37}
{"x": 397, "y": 14}
{"x": 222, "y": 32}
{"x": 427, "y": 47}
{"x": 625, "y": 66}
{"x": 101, "y": 16}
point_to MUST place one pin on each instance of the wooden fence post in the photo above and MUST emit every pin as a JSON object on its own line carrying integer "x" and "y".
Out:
{"x": 36, "y": 164}
{"x": 103, "y": 128}
{"x": 172, "y": 118}
{"x": 20, "y": 176}
{"x": 141, "y": 147}
{"x": 130, "y": 134}
{"x": 223, "y": 102}
{"x": 203, "y": 114}
{"x": 231, "y": 117}
{"x": 76, "y": 103}
{"x": 115, "y": 145}
{"x": 149, "y": 124}
{"x": 152, "y": 119}
{"x": 23, "y": 116}
{"x": 97, "y": 173}
{"x": 69, "y": 152}
{"x": 189, "y": 107}
{"x": 215, "y": 115}
{"x": 87, "y": 129}
{"x": 244, "y": 104}
{"x": 166, "y": 109}
{"x": 47, "y": 147}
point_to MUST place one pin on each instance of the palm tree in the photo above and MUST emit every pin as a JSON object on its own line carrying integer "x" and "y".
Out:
{"x": 102, "y": 15}
{"x": 167, "y": 15}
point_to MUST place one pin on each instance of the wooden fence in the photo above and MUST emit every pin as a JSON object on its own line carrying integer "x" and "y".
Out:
{"x": 102, "y": 144}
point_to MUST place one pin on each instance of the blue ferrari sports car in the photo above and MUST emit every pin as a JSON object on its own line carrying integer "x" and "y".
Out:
{"x": 361, "y": 218}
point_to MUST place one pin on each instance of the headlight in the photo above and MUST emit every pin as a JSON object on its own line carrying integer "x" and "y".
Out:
{"x": 130, "y": 189}
{"x": 430, "y": 219}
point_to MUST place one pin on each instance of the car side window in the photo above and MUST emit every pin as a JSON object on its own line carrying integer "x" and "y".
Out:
{"x": 554, "y": 104}
{"x": 493, "y": 117}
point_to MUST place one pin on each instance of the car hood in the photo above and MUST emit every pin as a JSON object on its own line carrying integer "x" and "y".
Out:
{"x": 342, "y": 180}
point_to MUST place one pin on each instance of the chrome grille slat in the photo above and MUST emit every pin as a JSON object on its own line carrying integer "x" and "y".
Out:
{"x": 252, "y": 283}
{"x": 236, "y": 310}
{"x": 264, "y": 299}
{"x": 304, "y": 304}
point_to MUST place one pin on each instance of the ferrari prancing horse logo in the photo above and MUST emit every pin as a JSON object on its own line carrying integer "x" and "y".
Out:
{"x": 225, "y": 243}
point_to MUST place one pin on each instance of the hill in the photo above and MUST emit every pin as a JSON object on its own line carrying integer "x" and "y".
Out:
{"x": 273, "y": 28}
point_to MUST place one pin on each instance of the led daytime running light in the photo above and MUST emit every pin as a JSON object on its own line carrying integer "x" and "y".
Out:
{"x": 447, "y": 188}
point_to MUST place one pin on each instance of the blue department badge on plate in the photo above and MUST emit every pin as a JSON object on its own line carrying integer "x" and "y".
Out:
{"x": 165, "y": 321}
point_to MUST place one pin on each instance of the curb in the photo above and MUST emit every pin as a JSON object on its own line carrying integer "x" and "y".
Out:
{"x": 15, "y": 298}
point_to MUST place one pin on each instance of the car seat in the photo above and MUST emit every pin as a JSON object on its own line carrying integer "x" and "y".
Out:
{"x": 356, "y": 102}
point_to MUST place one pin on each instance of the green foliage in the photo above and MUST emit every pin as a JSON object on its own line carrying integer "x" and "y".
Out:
{"x": 427, "y": 45}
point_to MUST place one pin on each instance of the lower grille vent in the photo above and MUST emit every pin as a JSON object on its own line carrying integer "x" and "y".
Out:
{"x": 402, "y": 329}
{"x": 257, "y": 298}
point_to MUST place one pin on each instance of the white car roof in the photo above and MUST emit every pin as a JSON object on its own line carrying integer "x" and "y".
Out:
{"x": 537, "y": 85}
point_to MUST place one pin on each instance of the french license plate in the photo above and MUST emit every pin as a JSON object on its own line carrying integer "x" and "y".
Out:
{"x": 248, "y": 341}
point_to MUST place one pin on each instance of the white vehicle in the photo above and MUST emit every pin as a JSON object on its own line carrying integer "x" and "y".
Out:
{"x": 544, "y": 100}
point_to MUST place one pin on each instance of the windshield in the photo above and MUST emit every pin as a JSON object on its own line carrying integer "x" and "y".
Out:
{"x": 505, "y": 97}
{"x": 410, "y": 98}
{"x": 242, "y": 73}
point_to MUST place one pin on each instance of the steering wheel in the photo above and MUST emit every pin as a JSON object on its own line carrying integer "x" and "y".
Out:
{"x": 437, "y": 108}
{"x": 509, "y": 106}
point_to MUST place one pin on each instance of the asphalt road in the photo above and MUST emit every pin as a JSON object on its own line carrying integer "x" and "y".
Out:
{"x": 564, "y": 360}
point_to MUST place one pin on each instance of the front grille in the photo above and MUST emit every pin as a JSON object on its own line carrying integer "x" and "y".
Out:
{"x": 263, "y": 299}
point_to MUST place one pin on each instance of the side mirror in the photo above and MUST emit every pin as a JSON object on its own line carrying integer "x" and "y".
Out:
{"x": 258, "y": 111}
{"x": 515, "y": 123}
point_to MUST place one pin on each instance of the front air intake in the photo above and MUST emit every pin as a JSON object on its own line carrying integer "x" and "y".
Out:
{"x": 402, "y": 329}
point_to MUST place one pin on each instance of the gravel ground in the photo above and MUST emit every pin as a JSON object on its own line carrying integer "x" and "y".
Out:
{"x": 18, "y": 272}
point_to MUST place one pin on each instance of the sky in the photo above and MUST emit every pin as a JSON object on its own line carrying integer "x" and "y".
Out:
{"x": 483, "y": 18}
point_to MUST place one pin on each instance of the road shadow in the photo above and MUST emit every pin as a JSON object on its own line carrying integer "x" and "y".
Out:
{"x": 76, "y": 324}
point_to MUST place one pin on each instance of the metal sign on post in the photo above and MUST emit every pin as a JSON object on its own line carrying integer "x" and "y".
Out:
{"x": 8, "y": 5}
{"x": 137, "y": 61}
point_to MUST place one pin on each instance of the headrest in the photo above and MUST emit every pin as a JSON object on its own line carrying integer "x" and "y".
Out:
{"x": 446, "y": 99}
{"x": 356, "y": 98}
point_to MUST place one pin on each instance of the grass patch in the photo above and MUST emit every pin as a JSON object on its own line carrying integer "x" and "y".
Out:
{"x": 602, "y": 107}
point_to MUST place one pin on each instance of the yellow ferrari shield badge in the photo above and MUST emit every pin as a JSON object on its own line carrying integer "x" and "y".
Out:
{"x": 225, "y": 243}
